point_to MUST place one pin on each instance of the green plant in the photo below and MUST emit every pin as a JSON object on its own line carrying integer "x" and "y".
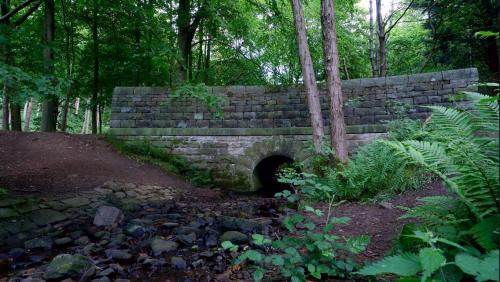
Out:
{"x": 463, "y": 228}
{"x": 200, "y": 92}
{"x": 436, "y": 261}
{"x": 305, "y": 251}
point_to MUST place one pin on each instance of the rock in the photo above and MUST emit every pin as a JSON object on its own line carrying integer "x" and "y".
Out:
{"x": 63, "y": 241}
{"x": 7, "y": 213}
{"x": 118, "y": 254}
{"x": 32, "y": 280}
{"x": 68, "y": 266}
{"x": 11, "y": 202}
{"x": 84, "y": 240}
{"x": 258, "y": 225}
{"x": 235, "y": 237}
{"x": 187, "y": 239}
{"x": 102, "y": 235}
{"x": 130, "y": 204}
{"x": 106, "y": 272}
{"x": 107, "y": 215}
{"x": 122, "y": 280}
{"x": 76, "y": 202}
{"x": 135, "y": 230}
{"x": 211, "y": 237}
{"x": 39, "y": 243}
{"x": 183, "y": 230}
{"x": 47, "y": 216}
{"x": 160, "y": 246}
{"x": 207, "y": 254}
{"x": 120, "y": 195}
{"x": 178, "y": 263}
{"x": 386, "y": 205}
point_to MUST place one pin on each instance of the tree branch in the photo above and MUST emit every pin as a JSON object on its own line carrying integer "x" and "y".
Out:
{"x": 15, "y": 10}
{"x": 26, "y": 15}
{"x": 400, "y": 17}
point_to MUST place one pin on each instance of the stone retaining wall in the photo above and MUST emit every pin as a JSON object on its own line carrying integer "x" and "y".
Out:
{"x": 260, "y": 121}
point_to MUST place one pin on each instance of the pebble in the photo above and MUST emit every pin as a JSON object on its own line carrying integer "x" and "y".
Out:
{"x": 178, "y": 263}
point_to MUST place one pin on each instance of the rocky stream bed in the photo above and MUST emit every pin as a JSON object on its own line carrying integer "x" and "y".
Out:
{"x": 128, "y": 232}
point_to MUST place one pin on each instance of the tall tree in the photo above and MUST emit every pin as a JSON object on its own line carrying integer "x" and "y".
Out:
{"x": 51, "y": 101}
{"x": 187, "y": 23}
{"x": 384, "y": 27}
{"x": 5, "y": 50}
{"x": 334, "y": 88}
{"x": 308, "y": 75}
{"x": 95, "y": 51}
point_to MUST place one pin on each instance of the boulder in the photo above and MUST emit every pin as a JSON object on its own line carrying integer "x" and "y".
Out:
{"x": 160, "y": 246}
{"x": 68, "y": 266}
{"x": 107, "y": 215}
{"x": 47, "y": 216}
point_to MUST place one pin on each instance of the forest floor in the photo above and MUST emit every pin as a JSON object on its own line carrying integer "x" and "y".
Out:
{"x": 57, "y": 166}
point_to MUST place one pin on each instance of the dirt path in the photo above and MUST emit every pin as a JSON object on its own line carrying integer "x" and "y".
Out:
{"x": 54, "y": 163}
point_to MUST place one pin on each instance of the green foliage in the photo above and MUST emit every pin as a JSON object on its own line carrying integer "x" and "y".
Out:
{"x": 200, "y": 92}
{"x": 307, "y": 251}
{"x": 432, "y": 261}
{"x": 461, "y": 147}
{"x": 145, "y": 151}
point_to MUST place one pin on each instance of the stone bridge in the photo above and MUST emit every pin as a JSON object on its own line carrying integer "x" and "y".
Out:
{"x": 266, "y": 126}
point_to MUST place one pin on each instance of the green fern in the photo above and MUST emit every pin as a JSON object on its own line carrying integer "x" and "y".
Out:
{"x": 463, "y": 153}
{"x": 406, "y": 264}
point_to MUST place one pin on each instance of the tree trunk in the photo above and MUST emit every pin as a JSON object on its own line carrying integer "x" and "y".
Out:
{"x": 207, "y": 60}
{"x": 372, "y": 51}
{"x": 308, "y": 75}
{"x": 183, "y": 41}
{"x": 65, "y": 113}
{"x": 15, "y": 116}
{"x": 77, "y": 106}
{"x": 50, "y": 102}
{"x": 27, "y": 114}
{"x": 69, "y": 50}
{"x": 95, "y": 84}
{"x": 334, "y": 88}
{"x": 382, "y": 52}
{"x": 5, "y": 110}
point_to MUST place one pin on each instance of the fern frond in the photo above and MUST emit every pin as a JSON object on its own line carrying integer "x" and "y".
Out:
{"x": 451, "y": 121}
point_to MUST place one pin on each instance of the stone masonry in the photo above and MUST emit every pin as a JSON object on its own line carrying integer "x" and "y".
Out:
{"x": 262, "y": 121}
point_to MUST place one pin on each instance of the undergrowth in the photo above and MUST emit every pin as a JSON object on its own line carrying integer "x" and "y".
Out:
{"x": 144, "y": 151}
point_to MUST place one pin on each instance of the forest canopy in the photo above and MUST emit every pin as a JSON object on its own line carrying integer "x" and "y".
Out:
{"x": 96, "y": 45}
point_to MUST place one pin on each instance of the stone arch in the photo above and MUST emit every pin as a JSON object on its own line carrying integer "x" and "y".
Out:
{"x": 275, "y": 146}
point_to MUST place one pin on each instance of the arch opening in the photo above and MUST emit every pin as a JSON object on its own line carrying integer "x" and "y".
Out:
{"x": 265, "y": 175}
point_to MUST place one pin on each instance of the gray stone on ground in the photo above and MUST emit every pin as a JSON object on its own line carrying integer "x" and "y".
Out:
{"x": 178, "y": 263}
{"x": 160, "y": 246}
{"x": 7, "y": 213}
{"x": 44, "y": 242}
{"x": 107, "y": 215}
{"x": 235, "y": 237}
{"x": 259, "y": 225}
{"x": 47, "y": 216}
{"x": 68, "y": 266}
{"x": 63, "y": 241}
{"x": 76, "y": 202}
{"x": 118, "y": 254}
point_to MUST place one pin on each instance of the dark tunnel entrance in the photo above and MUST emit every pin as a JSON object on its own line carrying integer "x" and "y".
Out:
{"x": 265, "y": 177}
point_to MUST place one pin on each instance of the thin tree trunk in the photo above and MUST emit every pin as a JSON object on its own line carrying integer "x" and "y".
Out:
{"x": 308, "y": 75}
{"x": 382, "y": 52}
{"x": 69, "y": 50}
{"x": 27, "y": 114}
{"x": 50, "y": 102}
{"x": 77, "y": 105}
{"x": 15, "y": 116}
{"x": 207, "y": 60}
{"x": 334, "y": 88}
{"x": 95, "y": 84}
{"x": 5, "y": 110}
{"x": 346, "y": 69}
{"x": 372, "y": 51}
